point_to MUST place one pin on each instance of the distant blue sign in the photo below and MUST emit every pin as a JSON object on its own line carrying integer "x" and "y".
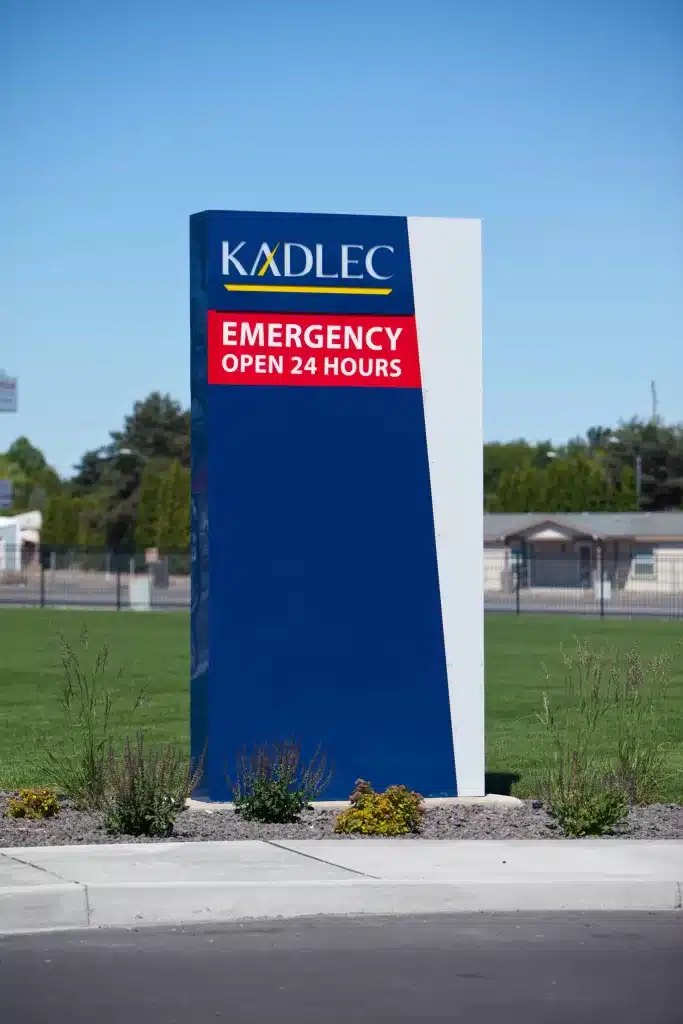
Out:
{"x": 6, "y": 494}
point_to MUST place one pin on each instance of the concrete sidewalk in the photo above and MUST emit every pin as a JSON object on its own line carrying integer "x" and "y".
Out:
{"x": 126, "y": 885}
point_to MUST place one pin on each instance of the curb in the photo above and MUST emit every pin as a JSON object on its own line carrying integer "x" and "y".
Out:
{"x": 490, "y": 800}
{"x": 75, "y": 905}
{"x": 47, "y": 907}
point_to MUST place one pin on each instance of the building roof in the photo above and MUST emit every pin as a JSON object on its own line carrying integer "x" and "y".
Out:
{"x": 601, "y": 525}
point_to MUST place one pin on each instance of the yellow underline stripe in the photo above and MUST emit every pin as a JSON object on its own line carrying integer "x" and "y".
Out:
{"x": 305, "y": 290}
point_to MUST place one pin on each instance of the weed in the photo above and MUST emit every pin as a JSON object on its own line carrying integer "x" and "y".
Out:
{"x": 605, "y": 740}
{"x": 643, "y": 753}
{"x": 272, "y": 786}
{"x": 147, "y": 788}
{"x": 79, "y": 769}
{"x": 572, "y": 779}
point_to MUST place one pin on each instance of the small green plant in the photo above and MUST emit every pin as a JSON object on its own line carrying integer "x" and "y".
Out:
{"x": 395, "y": 812}
{"x": 643, "y": 751}
{"x": 33, "y": 803}
{"x": 273, "y": 787}
{"x": 147, "y": 788}
{"x": 78, "y": 768}
{"x": 591, "y": 809}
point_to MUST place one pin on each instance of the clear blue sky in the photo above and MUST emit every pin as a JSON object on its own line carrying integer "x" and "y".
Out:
{"x": 561, "y": 125}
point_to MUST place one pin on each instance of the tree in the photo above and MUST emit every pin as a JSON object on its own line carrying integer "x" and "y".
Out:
{"x": 25, "y": 455}
{"x": 176, "y": 538}
{"x": 163, "y": 511}
{"x": 577, "y": 484}
{"x": 158, "y": 428}
{"x": 89, "y": 472}
{"x": 602, "y": 474}
{"x": 156, "y": 433}
{"x": 505, "y": 458}
{"x": 574, "y": 483}
{"x": 627, "y": 498}
{"x": 60, "y": 527}
{"x": 660, "y": 450}
{"x": 33, "y": 479}
{"x": 173, "y": 524}
{"x": 519, "y": 490}
{"x": 92, "y": 530}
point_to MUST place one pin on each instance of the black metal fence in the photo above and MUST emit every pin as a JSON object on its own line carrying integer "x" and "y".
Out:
{"x": 584, "y": 583}
{"x": 80, "y": 578}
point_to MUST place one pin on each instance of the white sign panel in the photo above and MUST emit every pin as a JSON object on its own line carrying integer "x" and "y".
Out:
{"x": 8, "y": 393}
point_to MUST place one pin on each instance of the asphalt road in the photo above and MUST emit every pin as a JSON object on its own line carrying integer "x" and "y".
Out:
{"x": 516, "y": 969}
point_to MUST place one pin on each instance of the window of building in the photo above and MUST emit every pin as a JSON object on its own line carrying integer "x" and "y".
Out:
{"x": 644, "y": 561}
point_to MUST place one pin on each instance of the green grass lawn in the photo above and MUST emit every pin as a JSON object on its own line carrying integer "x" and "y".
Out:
{"x": 153, "y": 650}
{"x": 524, "y": 657}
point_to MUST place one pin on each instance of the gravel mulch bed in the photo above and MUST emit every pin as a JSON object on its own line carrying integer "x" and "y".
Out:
{"x": 530, "y": 821}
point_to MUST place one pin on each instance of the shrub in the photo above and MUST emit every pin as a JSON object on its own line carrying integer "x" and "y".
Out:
{"x": 273, "y": 787}
{"x": 395, "y": 812}
{"x": 34, "y": 803}
{"x": 592, "y": 809}
{"x": 147, "y": 788}
{"x": 79, "y": 768}
{"x": 643, "y": 749}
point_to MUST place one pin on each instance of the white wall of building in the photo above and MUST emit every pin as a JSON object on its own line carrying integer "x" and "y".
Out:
{"x": 622, "y": 568}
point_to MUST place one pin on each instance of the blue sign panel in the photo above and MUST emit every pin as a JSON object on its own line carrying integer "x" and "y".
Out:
{"x": 316, "y": 602}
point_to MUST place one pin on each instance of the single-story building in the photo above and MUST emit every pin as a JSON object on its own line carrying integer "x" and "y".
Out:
{"x": 19, "y": 540}
{"x": 629, "y": 551}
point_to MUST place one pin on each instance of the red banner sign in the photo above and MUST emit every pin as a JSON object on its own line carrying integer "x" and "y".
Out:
{"x": 293, "y": 349}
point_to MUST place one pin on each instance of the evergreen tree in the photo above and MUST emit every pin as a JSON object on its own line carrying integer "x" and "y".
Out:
{"x": 576, "y": 483}
{"x": 519, "y": 490}
{"x": 173, "y": 529}
{"x": 163, "y": 523}
{"x": 180, "y": 490}
{"x": 148, "y": 510}
{"x": 626, "y": 494}
{"x": 91, "y": 524}
{"x": 60, "y": 527}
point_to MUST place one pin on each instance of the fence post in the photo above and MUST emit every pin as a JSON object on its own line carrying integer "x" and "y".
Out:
{"x": 601, "y": 555}
{"x": 118, "y": 586}
{"x": 42, "y": 582}
{"x": 518, "y": 581}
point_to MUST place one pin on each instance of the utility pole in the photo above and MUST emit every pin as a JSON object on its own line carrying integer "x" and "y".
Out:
{"x": 653, "y": 392}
